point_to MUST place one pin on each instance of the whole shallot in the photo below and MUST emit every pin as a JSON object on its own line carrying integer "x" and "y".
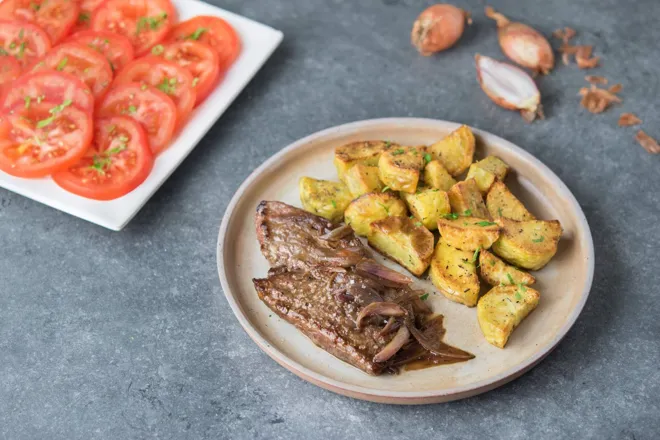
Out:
{"x": 523, "y": 44}
{"x": 438, "y": 28}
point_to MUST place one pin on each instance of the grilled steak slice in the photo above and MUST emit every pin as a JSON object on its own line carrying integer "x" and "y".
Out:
{"x": 325, "y": 306}
{"x": 290, "y": 237}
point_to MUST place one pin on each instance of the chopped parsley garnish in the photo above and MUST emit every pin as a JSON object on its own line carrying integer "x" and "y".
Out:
{"x": 21, "y": 34}
{"x": 21, "y": 50}
{"x": 167, "y": 85}
{"x": 143, "y": 87}
{"x": 152, "y": 23}
{"x": 485, "y": 223}
{"x": 451, "y": 216}
{"x": 132, "y": 109}
{"x": 198, "y": 33}
{"x": 518, "y": 296}
{"x": 424, "y": 297}
{"x": 35, "y": 6}
{"x": 467, "y": 213}
{"x": 522, "y": 287}
{"x": 418, "y": 223}
{"x": 427, "y": 158}
{"x": 62, "y": 64}
{"x": 40, "y": 98}
{"x": 27, "y": 100}
{"x": 111, "y": 128}
{"x": 54, "y": 111}
{"x": 499, "y": 212}
{"x": 538, "y": 240}
{"x": 510, "y": 278}
{"x": 195, "y": 81}
{"x": 83, "y": 17}
{"x": 3, "y": 52}
{"x": 398, "y": 151}
{"x": 492, "y": 262}
{"x": 334, "y": 204}
{"x": 157, "y": 49}
{"x": 12, "y": 45}
{"x": 475, "y": 255}
{"x": 388, "y": 144}
{"x": 385, "y": 189}
{"x": 104, "y": 160}
{"x": 387, "y": 210}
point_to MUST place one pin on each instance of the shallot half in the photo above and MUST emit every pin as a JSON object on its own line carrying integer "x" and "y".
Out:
{"x": 523, "y": 44}
{"x": 509, "y": 87}
{"x": 438, "y": 28}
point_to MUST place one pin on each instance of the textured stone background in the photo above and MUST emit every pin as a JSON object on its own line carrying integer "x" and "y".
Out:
{"x": 127, "y": 335}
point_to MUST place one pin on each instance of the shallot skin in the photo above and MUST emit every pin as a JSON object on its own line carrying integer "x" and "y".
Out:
{"x": 438, "y": 28}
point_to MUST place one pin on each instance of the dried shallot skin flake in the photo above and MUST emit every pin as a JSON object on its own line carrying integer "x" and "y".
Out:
{"x": 616, "y": 88}
{"x": 597, "y": 100}
{"x": 647, "y": 142}
{"x": 628, "y": 120}
{"x": 595, "y": 79}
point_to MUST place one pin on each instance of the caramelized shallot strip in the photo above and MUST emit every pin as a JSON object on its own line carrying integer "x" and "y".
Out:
{"x": 628, "y": 120}
{"x": 647, "y": 142}
{"x": 398, "y": 341}
{"x": 386, "y": 276}
{"x": 381, "y": 309}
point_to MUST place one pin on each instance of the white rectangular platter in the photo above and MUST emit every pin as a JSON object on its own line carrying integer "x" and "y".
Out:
{"x": 258, "y": 43}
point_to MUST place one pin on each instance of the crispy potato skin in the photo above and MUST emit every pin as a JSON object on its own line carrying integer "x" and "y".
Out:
{"x": 428, "y": 205}
{"x": 527, "y": 244}
{"x": 404, "y": 241}
{"x": 366, "y": 153}
{"x": 496, "y": 272}
{"x": 465, "y": 196}
{"x": 454, "y": 274}
{"x": 362, "y": 179}
{"x": 371, "y": 207}
{"x": 502, "y": 203}
{"x": 325, "y": 198}
{"x": 484, "y": 178}
{"x": 399, "y": 168}
{"x": 455, "y": 151}
{"x": 436, "y": 176}
{"x": 468, "y": 233}
{"x": 502, "y": 309}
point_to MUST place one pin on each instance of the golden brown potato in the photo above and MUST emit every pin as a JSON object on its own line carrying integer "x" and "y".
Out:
{"x": 366, "y": 153}
{"x": 528, "y": 244}
{"x": 403, "y": 240}
{"x": 486, "y": 171}
{"x": 468, "y": 233}
{"x": 325, "y": 198}
{"x": 436, "y": 176}
{"x": 428, "y": 205}
{"x": 454, "y": 273}
{"x": 455, "y": 151}
{"x": 496, "y": 272}
{"x": 502, "y": 309}
{"x": 362, "y": 179}
{"x": 466, "y": 199}
{"x": 502, "y": 203}
{"x": 399, "y": 168}
{"x": 371, "y": 207}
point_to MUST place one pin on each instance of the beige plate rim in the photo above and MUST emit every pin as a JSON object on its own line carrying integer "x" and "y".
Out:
{"x": 401, "y": 397}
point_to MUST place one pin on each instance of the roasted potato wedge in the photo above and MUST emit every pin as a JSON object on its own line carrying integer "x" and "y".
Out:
{"x": 436, "y": 176}
{"x": 325, "y": 198}
{"x": 362, "y": 179}
{"x": 366, "y": 153}
{"x": 454, "y": 273}
{"x": 496, "y": 272}
{"x": 502, "y": 203}
{"x": 502, "y": 309}
{"x": 486, "y": 171}
{"x": 399, "y": 168}
{"x": 403, "y": 240}
{"x": 455, "y": 151}
{"x": 468, "y": 233}
{"x": 428, "y": 205}
{"x": 465, "y": 198}
{"x": 527, "y": 244}
{"x": 371, "y": 207}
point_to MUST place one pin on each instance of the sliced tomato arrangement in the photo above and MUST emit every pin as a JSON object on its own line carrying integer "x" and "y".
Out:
{"x": 145, "y": 23}
{"x": 116, "y": 163}
{"x": 116, "y": 48}
{"x": 213, "y": 31}
{"x": 56, "y": 17}
{"x": 197, "y": 58}
{"x": 82, "y": 61}
{"x": 170, "y": 78}
{"x": 91, "y": 91}
{"x": 24, "y": 41}
{"x": 42, "y": 138}
{"x": 148, "y": 106}
{"x": 51, "y": 86}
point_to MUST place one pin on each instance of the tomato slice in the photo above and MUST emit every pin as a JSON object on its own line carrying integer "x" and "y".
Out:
{"x": 116, "y": 163}
{"x": 43, "y": 138}
{"x": 147, "y": 105}
{"x": 56, "y": 17}
{"x": 51, "y": 86}
{"x": 24, "y": 41}
{"x": 83, "y": 62}
{"x": 144, "y": 22}
{"x": 87, "y": 8}
{"x": 10, "y": 69}
{"x": 116, "y": 48}
{"x": 213, "y": 31}
{"x": 168, "y": 77}
{"x": 197, "y": 58}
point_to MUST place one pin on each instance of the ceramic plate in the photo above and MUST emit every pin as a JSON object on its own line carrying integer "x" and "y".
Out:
{"x": 259, "y": 42}
{"x": 564, "y": 283}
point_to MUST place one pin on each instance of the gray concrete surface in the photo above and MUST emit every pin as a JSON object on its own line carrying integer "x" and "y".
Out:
{"x": 127, "y": 335}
